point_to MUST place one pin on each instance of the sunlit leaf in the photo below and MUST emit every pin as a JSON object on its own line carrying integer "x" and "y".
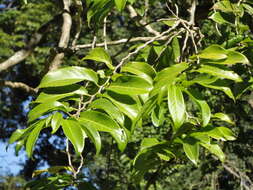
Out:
{"x": 100, "y": 55}
{"x": 176, "y": 105}
{"x": 67, "y": 76}
{"x": 74, "y": 133}
{"x": 102, "y": 122}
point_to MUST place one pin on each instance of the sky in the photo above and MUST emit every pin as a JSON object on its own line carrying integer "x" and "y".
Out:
{"x": 9, "y": 163}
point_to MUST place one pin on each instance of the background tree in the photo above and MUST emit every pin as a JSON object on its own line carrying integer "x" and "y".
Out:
{"x": 148, "y": 73}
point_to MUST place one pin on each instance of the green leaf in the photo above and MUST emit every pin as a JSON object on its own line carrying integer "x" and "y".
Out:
{"x": 130, "y": 85}
{"x": 109, "y": 108}
{"x": 168, "y": 75}
{"x": 120, "y": 4}
{"x": 40, "y": 109}
{"x": 200, "y": 136}
{"x": 248, "y": 8}
{"x": 67, "y": 76}
{"x": 176, "y": 49}
{"x": 100, "y": 55}
{"x": 213, "y": 52}
{"x": 215, "y": 71}
{"x": 219, "y": 18}
{"x": 191, "y": 149}
{"x": 52, "y": 170}
{"x": 220, "y": 85}
{"x": 223, "y": 117}
{"x": 56, "y": 121}
{"x": 31, "y": 140}
{"x": 157, "y": 115}
{"x": 140, "y": 69}
{"x": 176, "y": 105}
{"x": 102, "y": 122}
{"x": 16, "y": 135}
{"x": 234, "y": 57}
{"x": 74, "y": 133}
{"x": 93, "y": 134}
{"x": 219, "y": 133}
{"x": 215, "y": 149}
{"x": 50, "y": 97}
{"x": 148, "y": 142}
{"x": 196, "y": 96}
{"x": 225, "y": 6}
{"x": 126, "y": 104}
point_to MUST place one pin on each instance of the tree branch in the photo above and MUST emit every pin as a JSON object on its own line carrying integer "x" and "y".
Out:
{"x": 117, "y": 42}
{"x": 65, "y": 35}
{"x": 28, "y": 49}
{"x": 245, "y": 181}
{"x": 133, "y": 14}
{"x": 192, "y": 11}
{"x": 20, "y": 85}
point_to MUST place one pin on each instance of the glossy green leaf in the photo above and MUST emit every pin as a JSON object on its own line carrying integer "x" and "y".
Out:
{"x": 120, "y": 4}
{"x": 56, "y": 121}
{"x": 248, "y": 8}
{"x": 130, "y": 85}
{"x": 102, "y": 122}
{"x": 93, "y": 134}
{"x": 40, "y": 109}
{"x": 223, "y": 117}
{"x": 196, "y": 96}
{"x": 100, "y": 55}
{"x": 234, "y": 57}
{"x": 50, "y": 97}
{"x": 126, "y": 104}
{"x": 16, "y": 135}
{"x": 225, "y": 6}
{"x": 219, "y": 18}
{"x": 74, "y": 133}
{"x": 191, "y": 149}
{"x": 107, "y": 106}
{"x": 67, "y": 76}
{"x": 157, "y": 115}
{"x": 18, "y": 146}
{"x": 141, "y": 69}
{"x": 32, "y": 138}
{"x": 215, "y": 149}
{"x": 176, "y": 49}
{"x": 148, "y": 142}
{"x": 168, "y": 75}
{"x": 176, "y": 105}
{"x": 215, "y": 71}
{"x": 202, "y": 137}
{"x": 220, "y": 85}
{"x": 52, "y": 170}
{"x": 219, "y": 133}
{"x": 213, "y": 52}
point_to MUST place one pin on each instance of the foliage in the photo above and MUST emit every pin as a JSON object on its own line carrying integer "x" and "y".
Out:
{"x": 161, "y": 104}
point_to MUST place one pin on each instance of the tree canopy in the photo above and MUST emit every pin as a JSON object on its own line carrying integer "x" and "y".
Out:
{"x": 127, "y": 94}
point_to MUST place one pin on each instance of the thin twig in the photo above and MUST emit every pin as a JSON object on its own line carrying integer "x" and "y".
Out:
{"x": 104, "y": 33}
{"x": 80, "y": 165}
{"x": 192, "y": 11}
{"x": 143, "y": 22}
{"x": 65, "y": 35}
{"x": 78, "y": 17}
{"x": 69, "y": 156}
{"x": 19, "y": 85}
{"x": 93, "y": 45}
{"x": 143, "y": 46}
{"x": 116, "y": 42}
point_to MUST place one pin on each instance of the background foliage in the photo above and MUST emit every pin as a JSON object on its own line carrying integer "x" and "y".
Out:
{"x": 134, "y": 113}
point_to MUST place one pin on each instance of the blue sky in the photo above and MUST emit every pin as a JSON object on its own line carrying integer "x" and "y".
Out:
{"x": 9, "y": 163}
